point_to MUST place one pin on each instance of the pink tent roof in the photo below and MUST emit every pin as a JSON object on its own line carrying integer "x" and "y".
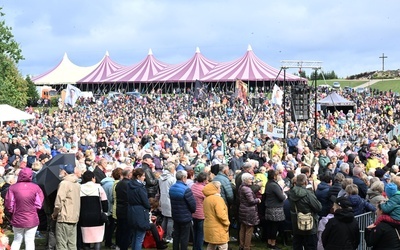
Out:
{"x": 140, "y": 72}
{"x": 194, "y": 69}
{"x": 249, "y": 67}
{"x": 105, "y": 68}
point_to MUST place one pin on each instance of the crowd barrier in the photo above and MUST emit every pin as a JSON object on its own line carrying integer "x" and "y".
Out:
{"x": 364, "y": 220}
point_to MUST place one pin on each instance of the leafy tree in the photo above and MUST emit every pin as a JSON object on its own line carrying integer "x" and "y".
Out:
{"x": 13, "y": 88}
{"x": 32, "y": 94}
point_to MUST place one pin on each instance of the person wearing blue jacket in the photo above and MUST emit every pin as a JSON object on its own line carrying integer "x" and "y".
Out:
{"x": 183, "y": 204}
{"x": 138, "y": 208}
{"x": 392, "y": 206}
{"x": 358, "y": 204}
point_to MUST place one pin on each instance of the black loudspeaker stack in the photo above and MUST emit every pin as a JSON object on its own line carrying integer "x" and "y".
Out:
{"x": 300, "y": 103}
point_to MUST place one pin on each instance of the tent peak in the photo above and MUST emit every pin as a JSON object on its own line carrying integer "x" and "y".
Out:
{"x": 65, "y": 56}
{"x": 198, "y": 50}
{"x": 150, "y": 52}
{"x": 107, "y": 54}
{"x": 249, "y": 48}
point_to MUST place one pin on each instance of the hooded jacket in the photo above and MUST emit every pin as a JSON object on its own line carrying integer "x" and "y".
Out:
{"x": 392, "y": 206}
{"x": 166, "y": 180}
{"x": 306, "y": 202}
{"x": 139, "y": 206}
{"x": 375, "y": 197}
{"x": 360, "y": 205}
{"x": 216, "y": 223}
{"x": 68, "y": 201}
{"x": 23, "y": 199}
{"x": 348, "y": 235}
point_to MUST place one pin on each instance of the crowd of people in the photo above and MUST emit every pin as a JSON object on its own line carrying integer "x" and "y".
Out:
{"x": 204, "y": 171}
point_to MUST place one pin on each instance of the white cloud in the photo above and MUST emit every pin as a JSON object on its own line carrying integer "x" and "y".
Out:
{"x": 348, "y": 36}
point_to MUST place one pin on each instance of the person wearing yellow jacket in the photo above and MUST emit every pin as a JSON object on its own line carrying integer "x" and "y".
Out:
{"x": 216, "y": 222}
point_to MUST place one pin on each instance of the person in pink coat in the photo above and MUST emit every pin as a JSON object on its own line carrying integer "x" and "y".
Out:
{"x": 23, "y": 199}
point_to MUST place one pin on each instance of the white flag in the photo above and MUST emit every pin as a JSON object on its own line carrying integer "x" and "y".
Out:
{"x": 277, "y": 95}
{"x": 72, "y": 95}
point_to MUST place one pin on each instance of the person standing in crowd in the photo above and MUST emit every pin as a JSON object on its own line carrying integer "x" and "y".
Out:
{"x": 167, "y": 179}
{"x": 248, "y": 212}
{"x": 237, "y": 161}
{"x": 151, "y": 180}
{"x": 359, "y": 204}
{"x": 274, "y": 200}
{"x": 362, "y": 187}
{"x": 93, "y": 202}
{"x": 322, "y": 194}
{"x": 123, "y": 232}
{"x": 385, "y": 235}
{"x": 22, "y": 201}
{"x": 216, "y": 222}
{"x": 198, "y": 216}
{"x": 341, "y": 231}
{"x": 100, "y": 170}
{"x": 183, "y": 204}
{"x": 138, "y": 208}
{"x": 226, "y": 187}
{"x": 109, "y": 188}
{"x": 305, "y": 201}
{"x": 67, "y": 208}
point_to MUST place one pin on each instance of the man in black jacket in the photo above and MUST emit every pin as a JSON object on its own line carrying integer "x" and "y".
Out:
{"x": 123, "y": 232}
{"x": 151, "y": 180}
{"x": 100, "y": 169}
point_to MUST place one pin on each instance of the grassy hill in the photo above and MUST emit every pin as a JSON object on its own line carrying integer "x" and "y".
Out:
{"x": 386, "y": 85}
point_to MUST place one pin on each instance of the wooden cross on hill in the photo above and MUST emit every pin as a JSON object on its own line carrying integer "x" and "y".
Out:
{"x": 383, "y": 61}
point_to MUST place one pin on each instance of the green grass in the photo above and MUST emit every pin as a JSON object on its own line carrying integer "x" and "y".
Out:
{"x": 387, "y": 85}
{"x": 343, "y": 82}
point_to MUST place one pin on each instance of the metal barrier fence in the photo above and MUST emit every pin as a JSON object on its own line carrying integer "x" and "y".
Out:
{"x": 364, "y": 220}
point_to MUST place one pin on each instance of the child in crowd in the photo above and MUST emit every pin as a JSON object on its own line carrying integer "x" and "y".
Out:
{"x": 391, "y": 208}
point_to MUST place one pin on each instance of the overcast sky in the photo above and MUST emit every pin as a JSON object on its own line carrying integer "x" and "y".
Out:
{"x": 347, "y": 36}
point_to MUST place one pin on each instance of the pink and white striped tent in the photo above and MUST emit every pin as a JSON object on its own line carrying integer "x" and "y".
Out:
{"x": 194, "y": 69}
{"x": 247, "y": 68}
{"x": 141, "y": 72}
{"x": 105, "y": 68}
{"x": 65, "y": 72}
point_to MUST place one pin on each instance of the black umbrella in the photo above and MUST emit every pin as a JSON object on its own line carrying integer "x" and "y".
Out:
{"x": 48, "y": 177}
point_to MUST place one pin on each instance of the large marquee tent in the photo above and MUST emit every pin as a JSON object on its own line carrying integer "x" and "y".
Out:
{"x": 151, "y": 73}
{"x": 105, "y": 68}
{"x": 65, "y": 72}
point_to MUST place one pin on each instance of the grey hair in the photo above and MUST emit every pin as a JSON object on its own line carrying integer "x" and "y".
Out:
{"x": 180, "y": 175}
{"x": 246, "y": 176}
{"x": 344, "y": 166}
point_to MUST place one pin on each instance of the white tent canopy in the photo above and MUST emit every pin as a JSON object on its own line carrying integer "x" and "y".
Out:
{"x": 334, "y": 99}
{"x": 66, "y": 72}
{"x": 9, "y": 113}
